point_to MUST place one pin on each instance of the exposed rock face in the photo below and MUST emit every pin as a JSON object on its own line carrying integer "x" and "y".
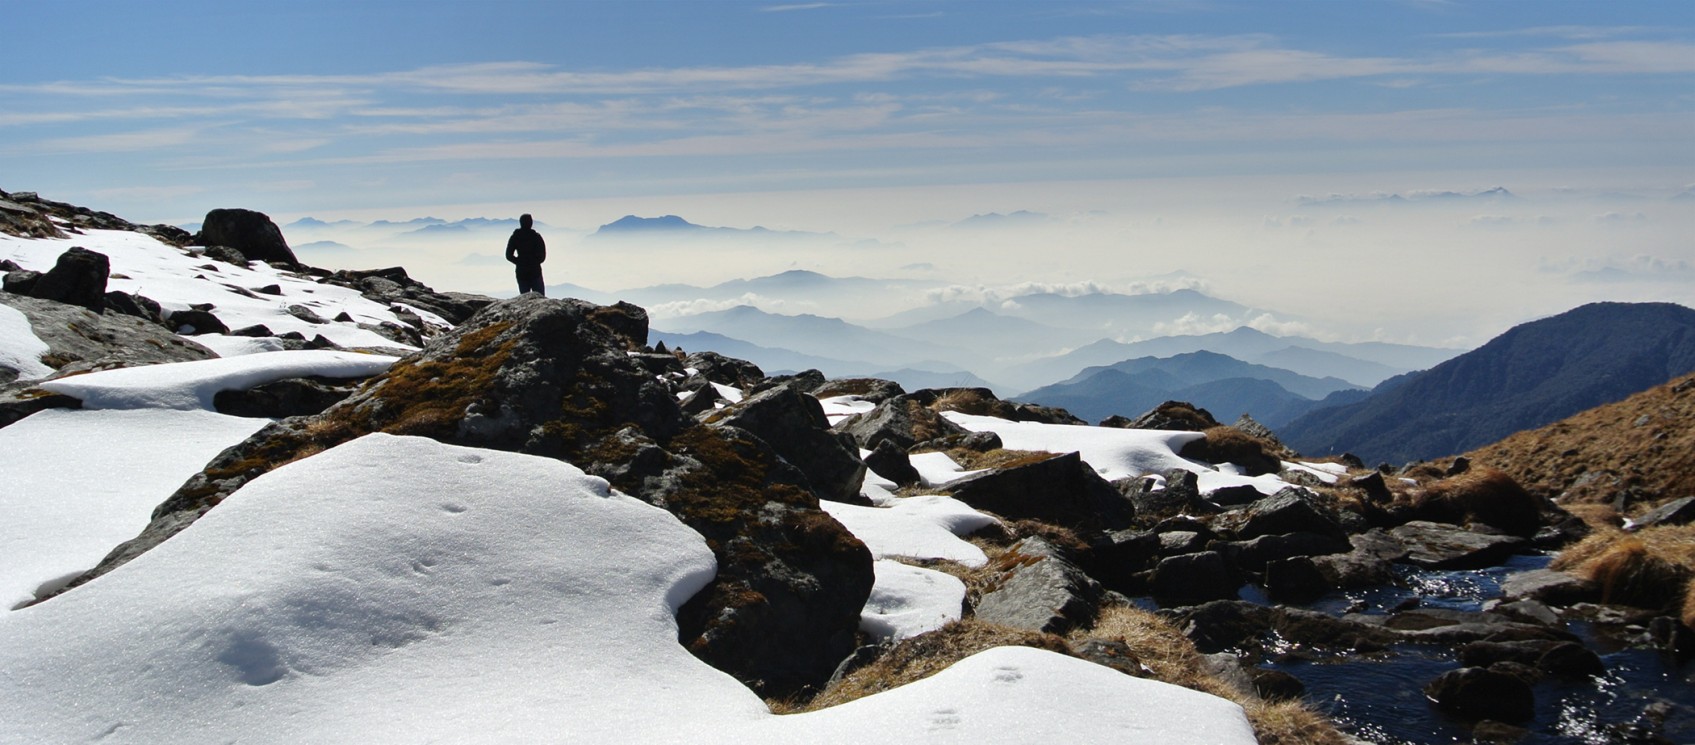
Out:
{"x": 1180, "y": 416}
{"x": 1440, "y": 546}
{"x": 79, "y": 339}
{"x": 725, "y": 370}
{"x": 554, "y": 378}
{"x": 1062, "y": 490}
{"x": 793, "y": 423}
{"x": 77, "y": 278}
{"x": 902, "y": 420}
{"x": 251, "y": 233}
{"x": 1039, "y": 589}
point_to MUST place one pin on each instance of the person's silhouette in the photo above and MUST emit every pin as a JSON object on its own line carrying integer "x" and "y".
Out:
{"x": 526, "y": 250}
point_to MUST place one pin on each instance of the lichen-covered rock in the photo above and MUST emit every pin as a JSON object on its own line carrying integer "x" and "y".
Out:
{"x": 80, "y": 339}
{"x": 555, "y": 378}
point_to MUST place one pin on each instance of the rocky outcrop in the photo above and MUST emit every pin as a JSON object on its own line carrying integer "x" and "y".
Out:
{"x": 556, "y": 378}
{"x": 1441, "y": 546}
{"x": 252, "y": 233}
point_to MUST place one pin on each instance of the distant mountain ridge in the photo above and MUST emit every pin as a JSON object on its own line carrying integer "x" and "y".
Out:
{"x": 1534, "y": 374}
{"x": 632, "y": 225}
{"x": 1224, "y": 385}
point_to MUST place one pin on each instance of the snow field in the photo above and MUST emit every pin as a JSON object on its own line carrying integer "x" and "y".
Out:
{"x": 192, "y": 385}
{"x": 175, "y": 279}
{"x": 396, "y": 589}
{"x": 78, "y": 483}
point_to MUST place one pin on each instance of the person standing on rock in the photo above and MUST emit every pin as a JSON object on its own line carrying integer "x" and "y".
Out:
{"x": 526, "y": 250}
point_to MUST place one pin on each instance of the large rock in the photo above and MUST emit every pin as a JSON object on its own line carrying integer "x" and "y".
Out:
{"x": 77, "y": 278}
{"x": 1062, "y": 490}
{"x": 902, "y": 420}
{"x": 1675, "y": 512}
{"x": 251, "y": 233}
{"x": 793, "y": 423}
{"x": 1368, "y": 563}
{"x": 1481, "y": 693}
{"x": 555, "y": 378}
{"x": 1039, "y": 589}
{"x": 1444, "y": 546}
{"x": 1550, "y": 586}
{"x": 79, "y": 339}
{"x": 1194, "y": 578}
{"x": 1290, "y": 510}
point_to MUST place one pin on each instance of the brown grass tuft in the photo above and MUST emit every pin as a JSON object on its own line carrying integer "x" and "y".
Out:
{"x": 973, "y": 460}
{"x": 1226, "y": 444}
{"x": 1483, "y": 495}
{"x": 1652, "y": 568}
{"x": 925, "y": 655}
{"x": 1292, "y": 723}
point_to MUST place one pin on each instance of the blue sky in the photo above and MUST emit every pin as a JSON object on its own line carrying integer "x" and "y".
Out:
{"x": 850, "y": 116}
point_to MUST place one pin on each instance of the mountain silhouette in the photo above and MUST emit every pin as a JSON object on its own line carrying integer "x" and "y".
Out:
{"x": 1534, "y": 374}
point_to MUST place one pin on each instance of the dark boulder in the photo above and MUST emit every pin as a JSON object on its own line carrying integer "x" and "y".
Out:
{"x": 77, "y": 278}
{"x": 1367, "y": 563}
{"x": 194, "y": 322}
{"x": 136, "y": 305}
{"x": 1296, "y": 579}
{"x": 902, "y": 420}
{"x": 1253, "y": 555}
{"x": 1038, "y": 588}
{"x": 1290, "y": 510}
{"x": 793, "y": 423}
{"x": 725, "y": 370}
{"x": 892, "y": 463}
{"x": 1062, "y": 490}
{"x": 1481, "y": 693}
{"x": 1194, "y": 578}
{"x": 251, "y": 233}
{"x": 1442, "y": 546}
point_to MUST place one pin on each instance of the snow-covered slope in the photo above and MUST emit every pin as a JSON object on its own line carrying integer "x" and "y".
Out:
{"x": 401, "y": 590}
{"x": 177, "y": 279}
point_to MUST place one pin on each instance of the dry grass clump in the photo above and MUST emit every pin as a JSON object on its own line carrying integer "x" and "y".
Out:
{"x": 973, "y": 460}
{"x": 1173, "y": 659}
{"x": 1482, "y": 495}
{"x": 972, "y": 401}
{"x": 1652, "y": 568}
{"x": 922, "y": 656}
{"x": 1292, "y": 723}
{"x": 1224, "y": 444}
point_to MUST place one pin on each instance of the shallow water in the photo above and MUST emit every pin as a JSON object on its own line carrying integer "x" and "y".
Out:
{"x": 1380, "y": 698}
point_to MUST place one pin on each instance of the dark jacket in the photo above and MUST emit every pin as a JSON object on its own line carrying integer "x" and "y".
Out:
{"x": 526, "y": 248}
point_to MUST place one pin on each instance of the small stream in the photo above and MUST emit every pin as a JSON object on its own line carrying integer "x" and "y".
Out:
{"x": 1380, "y": 697}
